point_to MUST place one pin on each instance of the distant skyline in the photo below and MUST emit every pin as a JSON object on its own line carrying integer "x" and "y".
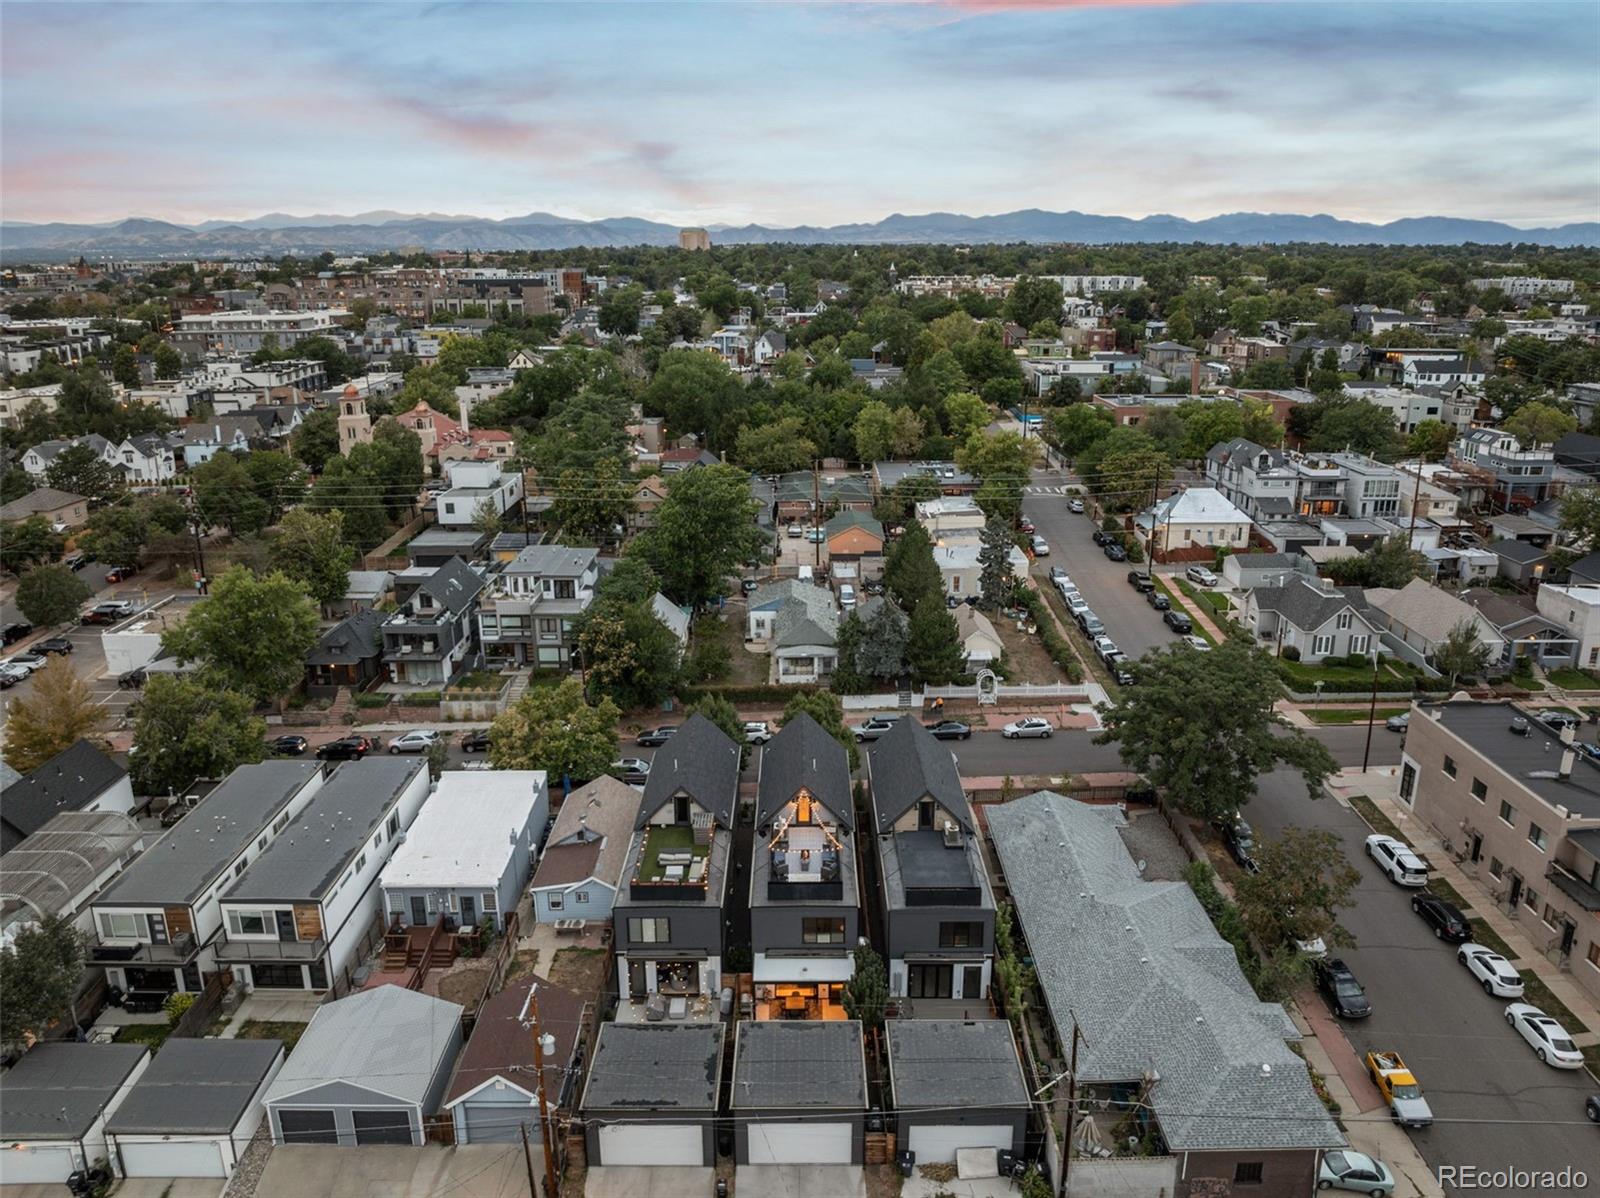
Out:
{"x": 800, "y": 113}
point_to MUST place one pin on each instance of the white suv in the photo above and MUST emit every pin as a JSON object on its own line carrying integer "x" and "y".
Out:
{"x": 1395, "y": 858}
{"x": 1200, "y": 575}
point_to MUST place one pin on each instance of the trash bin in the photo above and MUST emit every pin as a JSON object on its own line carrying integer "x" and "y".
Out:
{"x": 907, "y": 1161}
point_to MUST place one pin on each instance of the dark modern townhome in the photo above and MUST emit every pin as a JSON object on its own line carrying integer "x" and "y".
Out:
{"x": 668, "y": 912}
{"x": 804, "y": 901}
{"x": 938, "y": 910}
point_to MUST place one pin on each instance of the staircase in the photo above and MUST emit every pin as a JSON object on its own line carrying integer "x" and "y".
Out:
{"x": 339, "y": 710}
{"x": 518, "y": 687}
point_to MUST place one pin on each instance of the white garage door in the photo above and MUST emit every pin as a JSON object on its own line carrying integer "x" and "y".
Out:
{"x": 173, "y": 1158}
{"x": 799, "y": 1143}
{"x": 651, "y": 1144}
{"x": 939, "y": 1143}
{"x": 19, "y": 1165}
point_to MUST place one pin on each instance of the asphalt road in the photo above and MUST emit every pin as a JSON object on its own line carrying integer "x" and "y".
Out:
{"x": 1494, "y": 1104}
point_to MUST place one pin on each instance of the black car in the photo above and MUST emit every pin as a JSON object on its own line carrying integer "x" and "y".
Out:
{"x": 54, "y": 644}
{"x": 133, "y": 680}
{"x": 1116, "y": 552}
{"x": 476, "y": 742}
{"x": 1338, "y": 984}
{"x": 15, "y": 632}
{"x": 1179, "y": 622}
{"x": 1102, "y": 537}
{"x": 1240, "y": 840}
{"x": 748, "y": 585}
{"x": 1444, "y": 918}
{"x": 950, "y": 730}
{"x": 655, "y": 737}
{"x": 349, "y": 748}
{"x": 873, "y": 586}
{"x": 289, "y": 745}
{"x": 1591, "y": 1108}
{"x": 1158, "y": 601}
{"x": 1140, "y": 581}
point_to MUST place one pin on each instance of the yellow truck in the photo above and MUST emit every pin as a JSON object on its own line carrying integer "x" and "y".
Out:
{"x": 1400, "y": 1089}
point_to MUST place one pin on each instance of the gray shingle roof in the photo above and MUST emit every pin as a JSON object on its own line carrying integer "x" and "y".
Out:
{"x": 1151, "y": 984}
{"x": 455, "y": 586}
{"x": 196, "y": 1087}
{"x": 906, "y": 763}
{"x": 351, "y": 640}
{"x": 1306, "y": 605}
{"x": 951, "y": 1063}
{"x": 699, "y": 760}
{"x": 37, "y": 501}
{"x": 804, "y": 754}
{"x": 779, "y": 1064}
{"x": 57, "y": 1090}
{"x": 552, "y": 561}
{"x": 1518, "y": 551}
{"x": 69, "y": 781}
{"x": 655, "y": 1066}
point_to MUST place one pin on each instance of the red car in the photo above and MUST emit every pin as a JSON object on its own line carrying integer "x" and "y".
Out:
{"x": 120, "y": 573}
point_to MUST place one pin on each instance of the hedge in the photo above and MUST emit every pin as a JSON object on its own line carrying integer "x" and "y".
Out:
{"x": 763, "y": 693}
{"x": 1055, "y": 644}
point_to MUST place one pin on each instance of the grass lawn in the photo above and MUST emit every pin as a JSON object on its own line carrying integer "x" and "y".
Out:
{"x": 1569, "y": 679}
{"x": 1215, "y": 602}
{"x": 670, "y": 838}
{"x": 1483, "y": 934}
{"x": 152, "y": 1034}
{"x": 1376, "y": 819}
{"x": 477, "y": 680}
{"x": 1536, "y": 992}
{"x": 1392, "y": 676}
{"x": 1439, "y": 888}
{"x": 1347, "y": 715}
{"x": 268, "y": 1029}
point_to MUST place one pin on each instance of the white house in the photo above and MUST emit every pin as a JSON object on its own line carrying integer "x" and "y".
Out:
{"x": 36, "y": 461}
{"x": 471, "y": 849}
{"x": 1314, "y": 618}
{"x": 673, "y": 616}
{"x": 146, "y": 459}
{"x": 963, "y": 572}
{"x": 1199, "y": 517}
{"x": 474, "y": 484}
{"x": 951, "y": 518}
{"x": 1577, "y": 609}
{"x": 581, "y": 867}
{"x": 979, "y": 641}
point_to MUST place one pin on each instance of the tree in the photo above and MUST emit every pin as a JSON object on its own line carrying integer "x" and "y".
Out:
{"x": 997, "y": 578}
{"x": 964, "y": 414}
{"x": 909, "y": 571}
{"x": 225, "y": 494}
{"x": 1461, "y": 652}
{"x": 310, "y": 548}
{"x": 555, "y": 730}
{"x": 1302, "y": 882}
{"x": 882, "y": 432}
{"x": 703, "y": 532}
{"x": 1270, "y": 374}
{"x": 619, "y": 311}
{"x": 120, "y": 532}
{"x": 775, "y": 448}
{"x": 1535, "y": 424}
{"x": 1033, "y": 301}
{"x": 277, "y": 479}
{"x": 588, "y": 505}
{"x": 250, "y": 634}
{"x": 933, "y": 644}
{"x": 188, "y": 727}
{"x": 1129, "y": 475}
{"x": 125, "y": 365}
{"x": 51, "y": 595}
{"x": 486, "y": 518}
{"x": 1076, "y": 427}
{"x": 629, "y": 655}
{"x": 40, "y": 971}
{"x": 168, "y": 361}
{"x": 1391, "y": 563}
{"x": 882, "y": 652}
{"x": 28, "y": 543}
{"x": 79, "y": 470}
{"x": 1430, "y": 439}
{"x": 317, "y": 439}
{"x": 1201, "y": 726}
{"x": 57, "y": 713}
{"x": 1341, "y": 422}
{"x": 1580, "y": 515}
{"x": 826, "y": 709}
{"x": 1003, "y": 464}
{"x": 866, "y": 994}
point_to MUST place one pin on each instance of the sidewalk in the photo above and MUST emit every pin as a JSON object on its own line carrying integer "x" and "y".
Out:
{"x": 1197, "y": 612}
{"x": 1380, "y": 785}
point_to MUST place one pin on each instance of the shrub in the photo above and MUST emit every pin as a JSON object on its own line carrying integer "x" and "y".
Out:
{"x": 765, "y": 693}
{"x": 1290, "y": 653}
{"x": 1135, "y": 550}
{"x": 422, "y": 699}
{"x": 371, "y": 701}
{"x": 1109, "y": 524}
{"x": 708, "y": 661}
{"x": 177, "y": 1006}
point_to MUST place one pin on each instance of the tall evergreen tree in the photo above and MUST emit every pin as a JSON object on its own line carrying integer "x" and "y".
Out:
{"x": 910, "y": 572}
{"x": 933, "y": 648}
{"x": 996, "y": 578}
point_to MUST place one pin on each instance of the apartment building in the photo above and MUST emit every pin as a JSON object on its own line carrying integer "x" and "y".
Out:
{"x": 246, "y": 332}
{"x": 1520, "y": 809}
{"x": 528, "y": 613}
{"x": 429, "y": 639}
{"x": 1512, "y": 474}
{"x": 1272, "y": 484}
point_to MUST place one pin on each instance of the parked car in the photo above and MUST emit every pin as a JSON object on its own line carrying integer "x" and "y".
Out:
{"x": 1338, "y": 984}
{"x": 1395, "y": 858}
{"x": 418, "y": 740}
{"x": 757, "y": 732}
{"x": 289, "y": 745}
{"x": 1591, "y": 1108}
{"x": 847, "y": 597}
{"x": 1398, "y": 723}
{"x": 1158, "y": 600}
{"x": 1092, "y": 627}
{"x": 1201, "y": 576}
{"x": 1104, "y": 647}
{"x": 1495, "y": 974}
{"x": 1041, "y": 547}
{"x": 1075, "y": 506}
{"x": 1179, "y": 622}
{"x": 1058, "y": 575}
{"x": 1141, "y": 582}
{"x": 1076, "y": 604}
{"x": 109, "y": 612}
{"x": 1025, "y": 525}
{"x": 1347, "y": 1169}
{"x": 1197, "y": 643}
{"x": 16, "y": 632}
{"x": 1444, "y": 918}
{"x": 11, "y": 675}
{"x": 873, "y": 586}
{"x": 1559, "y": 721}
{"x": 29, "y": 661}
{"x": 54, "y": 644}
{"x": 75, "y": 561}
{"x": 1121, "y": 668}
{"x": 1399, "y": 1087}
{"x": 1116, "y": 552}
{"x": 1032, "y": 726}
{"x": 1101, "y": 536}
{"x": 475, "y": 742}
{"x": 816, "y": 535}
{"x": 747, "y": 586}
{"x": 120, "y": 573}
{"x": 1548, "y": 1039}
{"x": 873, "y": 727}
{"x": 346, "y": 748}
{"x": 652, "y": 738}
{"x": 795, "y": 531}
{"x": 133, "y": 680}
{"x": 1239, "y": 838}
{"x": 635, "y": 771}
{"x": 950, "y": 730}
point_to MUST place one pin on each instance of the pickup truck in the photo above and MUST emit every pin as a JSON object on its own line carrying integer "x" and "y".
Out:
{"x": 1399, "y": 1089}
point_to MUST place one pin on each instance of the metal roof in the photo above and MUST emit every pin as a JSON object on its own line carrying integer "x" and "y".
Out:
{"x": 196, "y": 1087}
{"x": 53, "y": 866}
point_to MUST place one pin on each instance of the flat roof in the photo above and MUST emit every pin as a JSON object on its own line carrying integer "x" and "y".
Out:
{"x": 1533, "y": 760}
{"x": 655, "y": 1066}
{"x": 304, "y": 861}
{"x": 955, "y": 1063}
{"x": 196, "y": 1087}
{"x": 778, "y": 1064}
{"x": 467, "y": 829}
{"x": 58, "y": 1089}
{"x": 180, "y": 866}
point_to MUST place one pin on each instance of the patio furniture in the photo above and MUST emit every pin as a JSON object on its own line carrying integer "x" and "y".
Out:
{"x": 678, "y": 1008}
{"x": 655, "y": 1008}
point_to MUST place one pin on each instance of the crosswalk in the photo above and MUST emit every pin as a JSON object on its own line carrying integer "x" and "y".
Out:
{"x": 1042, "y": 489}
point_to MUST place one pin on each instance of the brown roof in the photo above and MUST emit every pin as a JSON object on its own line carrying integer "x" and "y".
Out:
{"x": 596, "y": 822}
{"x": 502, "y": 1047}
{"x": 567, "y": 863}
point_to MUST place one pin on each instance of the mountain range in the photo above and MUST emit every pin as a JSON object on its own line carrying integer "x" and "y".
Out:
{"x": 276, "y": 234}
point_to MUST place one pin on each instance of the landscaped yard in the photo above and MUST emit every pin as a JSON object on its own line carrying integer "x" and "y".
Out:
{"x": 1214, "y": 600}
{"x": 478, "y": 680}
{"x": 152, "y": 1034}
{"x": 1569, "y": 679}
{"x": 1392, "y": 676}
{"x": 1347, "y": 715}
{"x": 272, "y": 1029}
{"x": 670, "y": 838}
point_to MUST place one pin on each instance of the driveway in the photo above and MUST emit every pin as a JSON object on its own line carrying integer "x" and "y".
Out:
{"x": 132, "y": 1187}
{"x": 329, "y": 1171}
{"x": 648, "y": 1181}
{"x": 801, "y": 1181}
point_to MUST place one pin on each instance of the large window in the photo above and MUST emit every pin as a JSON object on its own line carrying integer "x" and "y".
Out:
{"x": 960, "y": 935}
{"x": 122, "y": 927}
{"x": 1536, "y": 837}
{"x": 1248, "y": 1173}
{"x": 650, "y": 931}
{"x": 1321, "y": 646}
{"x": 822, "y": 931}
{"x": 1508, "y": 814}
{"x": 250, "y": 923}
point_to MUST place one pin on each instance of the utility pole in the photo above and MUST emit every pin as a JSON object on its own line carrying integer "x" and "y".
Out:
{"x": 1416, "y": 495}
{"x": 203, "y": 586}
{"x": 1150, "y": 555}
{"x": 527, "y": 1159}
{"x": 816, "y": 512}
{"x": 1372, "y": 713}
{"x": 531, "y": 1013}
{"x": 1072, "y": 1107}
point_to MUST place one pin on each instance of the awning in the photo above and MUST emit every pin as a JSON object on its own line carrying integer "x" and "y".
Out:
{"x": 803, "y": 969}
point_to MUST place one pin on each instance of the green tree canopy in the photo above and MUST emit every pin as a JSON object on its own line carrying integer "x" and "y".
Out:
{"x": 28, "y": 543}
{"x": 310, "y": 548}
{"x": 79, "y": 470}
{"x": 775, "y": 448}
{"x": 1535, "y": 424}
{"x": 1461, "y": 653}
{"x": 58, "y": 711}
{"x": 629, "y": 655}
{"x": 188, "y": 727}
{"x": 50, "y": 595}
{"x": 1078, "y": 426}
{"x": 703, "y": 533}
{"x": 552, "y": 728}
{"x": 1002, "y": 463}
{"x": 40, "y": 971}
{"x": 250, "y": 634}
{"x": 1301, "y": 884}
{"x": 909, "y": 571}
{"x": 933, "y": 644}
{"x": 997, "y": 578}
{"x": 1035, "y": 301}
{"x": 316, "y": 439}
{"x": 1391, "y": 563}
{"x": 828, "y": 711}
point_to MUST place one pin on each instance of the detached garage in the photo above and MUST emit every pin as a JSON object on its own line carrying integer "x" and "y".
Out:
{"x": 56, "y": 1101}
{"x": 368, "y": 1070}
{"x": 799, "y": 1093}
{"x": 956, "y": 1085}
{"x": 651, "y": 1097}
{"x": 195, "y": 1109}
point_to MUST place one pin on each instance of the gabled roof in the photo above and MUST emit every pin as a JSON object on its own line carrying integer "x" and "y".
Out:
{"x": 1307, "y": 606}
{"x": 196, "y": 1087}
{"x": 805, "y": 624}
{"x": 1426, "y": 610}
{"x": 590, "y": 836}
{"x": 1520, "y": 552}
{"x": 352, "y": 640}
{"x": 850, "y": 518}
{"x": 907, "y": 763}
{"x": 58, "y": 1089}
{"x": 971, "y": 622}
{"x": 37, "y": 501}
{"x": 69, "y": 781}
{"x": 1506, "y": 612}
{"x": 805, "y": 754}
{"x": 1199, "y": 505}
{"x": 702, "y": 762}
{"x": 454, "y": 586}
{"x": 501, "y": 1047}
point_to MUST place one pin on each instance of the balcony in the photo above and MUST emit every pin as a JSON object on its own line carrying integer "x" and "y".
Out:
{"x": 180, "y": 951}
{"x": 1574, "y": 887}
{"x": 672, "y": 865}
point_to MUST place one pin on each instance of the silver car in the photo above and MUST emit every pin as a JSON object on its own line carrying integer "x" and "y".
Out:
{"x": 1033, "y": 726}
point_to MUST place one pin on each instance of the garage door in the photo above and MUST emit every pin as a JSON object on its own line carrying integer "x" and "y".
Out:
{"x": 485, "y": 1123}
{"x": 939, "y": 1143}
{"x": 382, "y": 1127}
{"x": 19, "y": 1165}
{"x": 799, "y": 1144}
{"x": 307, "y": 1127}
{"x": 172, "y": 1159}
{"x": 651, "y": 1144}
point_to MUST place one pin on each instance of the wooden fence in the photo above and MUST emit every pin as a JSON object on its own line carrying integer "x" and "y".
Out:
{"x": 194, "y": 1022}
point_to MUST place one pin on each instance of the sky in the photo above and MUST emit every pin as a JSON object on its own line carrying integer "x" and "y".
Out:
{"x": 800, "y": 113}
